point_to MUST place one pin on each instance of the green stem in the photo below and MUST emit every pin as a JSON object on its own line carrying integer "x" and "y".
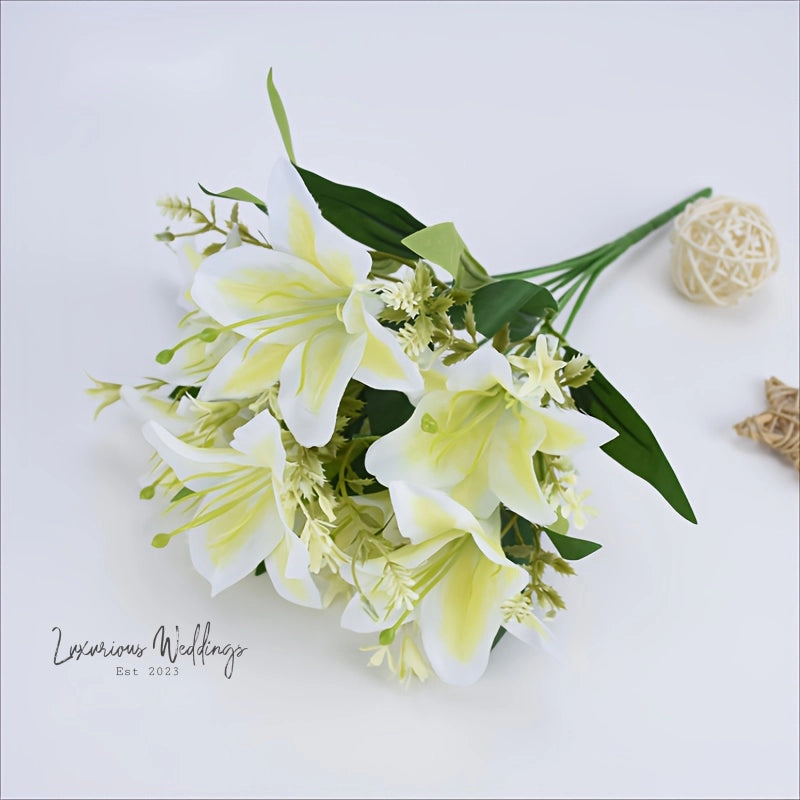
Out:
{"x": 579, "y": 302}
{"x": 620, "y": 245}
{"x": 589, "y": 277}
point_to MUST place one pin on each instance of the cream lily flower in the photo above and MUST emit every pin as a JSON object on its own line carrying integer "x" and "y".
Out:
{"x": 461, "y": 578}
{"x": 306, "y": 313}
{"x": 477, "y": 437}
{"x": 541, "y": 370}
{"x": 239, "y": 520}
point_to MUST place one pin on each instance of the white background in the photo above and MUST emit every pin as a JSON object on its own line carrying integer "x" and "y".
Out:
{"x": 542, "y": 130}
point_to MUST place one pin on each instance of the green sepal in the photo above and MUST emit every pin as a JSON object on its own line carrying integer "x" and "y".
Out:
{"x": 635, "y": 448}
{"x": 237, "y": 193}
{"x": 441, "y": 244}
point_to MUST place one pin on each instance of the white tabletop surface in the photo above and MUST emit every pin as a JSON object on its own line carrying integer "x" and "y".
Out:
{"x": 541, "y": 130}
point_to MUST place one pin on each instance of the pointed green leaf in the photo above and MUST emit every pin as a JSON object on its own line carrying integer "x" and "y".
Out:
{"x": 518, "y": 302}
{"x": 635, "y": 448}
{"x": 570, "y": 547}
{"x": 237, "y": 193}
{"x": 184, "y": 491}
{"x": 441, "y": 244}
{"x": 377, "y": 223}
{"x": 279, "y": 112}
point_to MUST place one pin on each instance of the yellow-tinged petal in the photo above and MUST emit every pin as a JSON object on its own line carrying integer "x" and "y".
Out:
{"x": 566, "y": 431}
{"x": 297, "y": 226}
{"x": 260, "y": 441}
{"x": 355, "y": 616}
{"x": 384, "y": 364}
{"x": 199, "y": 468}
{"x": 484, "y": 369}
{"x": 247, "y": 370}
{"x": 287, "y": 567}
{"x": 412, "y": 453}
{"x": 282, "y": 297}
{"x": 511, "y": 474}
{"x": 229, "y": 547}
{"x": 156, "y": 407}
{"x": 461, "y": 615}
{"x": 424, "y": 513}
{"x": 313, "y": 379}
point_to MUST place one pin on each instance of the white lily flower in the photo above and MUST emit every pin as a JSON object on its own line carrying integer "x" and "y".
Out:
{"x": 239, "y": 519}
{"x": 461, "y": 579}
{"x": 306, "y": 312}
{"x": 477, "y": 437}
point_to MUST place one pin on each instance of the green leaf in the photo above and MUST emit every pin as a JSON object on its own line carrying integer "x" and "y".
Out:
{"x": 386, "y": 410}
{"x": 441, "y": 244}
{"x": 261, "y": 568}
{"x": 517, "y": 302}
{"x": 570, "y": 547}
{"x": 501, "y": 632}
{"x": 237, "y": 193}
{"x": 377, "y": 223}
{"x": 635, "y": 448}
{"x": 279, "y": 112}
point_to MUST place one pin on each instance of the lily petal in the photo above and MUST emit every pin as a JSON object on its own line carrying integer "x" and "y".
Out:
{"x": 291, "y": 581}
{"x": 199, "y": 468}
{"x": 230, "y": 546}
{"x": 355, "y": 616}
{"x": 247, "y": 370}
{"x": 567, "y": 431}
{"x": 260, "y": 440}
{"x": 313, "y": 379}
{"x": 462, "y": 613}
{"x": 511, "y": 474}
{"x": 283, "y": 295}
{"x": 297, "y": 226}
{"x": 484, "y": 369}
{"x": 160, "y": 409}
{"x": 424, "y": 513}
{"x": 384, "y": 364}
{"x": 411, "y": 451}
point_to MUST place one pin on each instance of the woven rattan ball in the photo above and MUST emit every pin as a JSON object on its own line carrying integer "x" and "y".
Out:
{"x": 723, "y": 250}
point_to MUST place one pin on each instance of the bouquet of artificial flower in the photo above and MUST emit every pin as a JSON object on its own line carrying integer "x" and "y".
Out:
{"x": 356, "y": 407}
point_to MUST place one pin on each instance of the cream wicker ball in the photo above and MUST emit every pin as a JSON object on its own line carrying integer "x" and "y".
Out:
{"x": 723, "y": 250}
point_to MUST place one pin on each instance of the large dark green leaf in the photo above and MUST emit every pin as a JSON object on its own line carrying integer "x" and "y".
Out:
{"x": 386, "y": 410}
{"x": 377, "y": 223}
{"x": 517, "y": 302}
{"x": 635, "y": 448}
{"x": 570, "y": 547}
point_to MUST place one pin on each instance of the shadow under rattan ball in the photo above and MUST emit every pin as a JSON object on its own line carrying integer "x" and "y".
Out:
{"x": 723, "y": 250}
